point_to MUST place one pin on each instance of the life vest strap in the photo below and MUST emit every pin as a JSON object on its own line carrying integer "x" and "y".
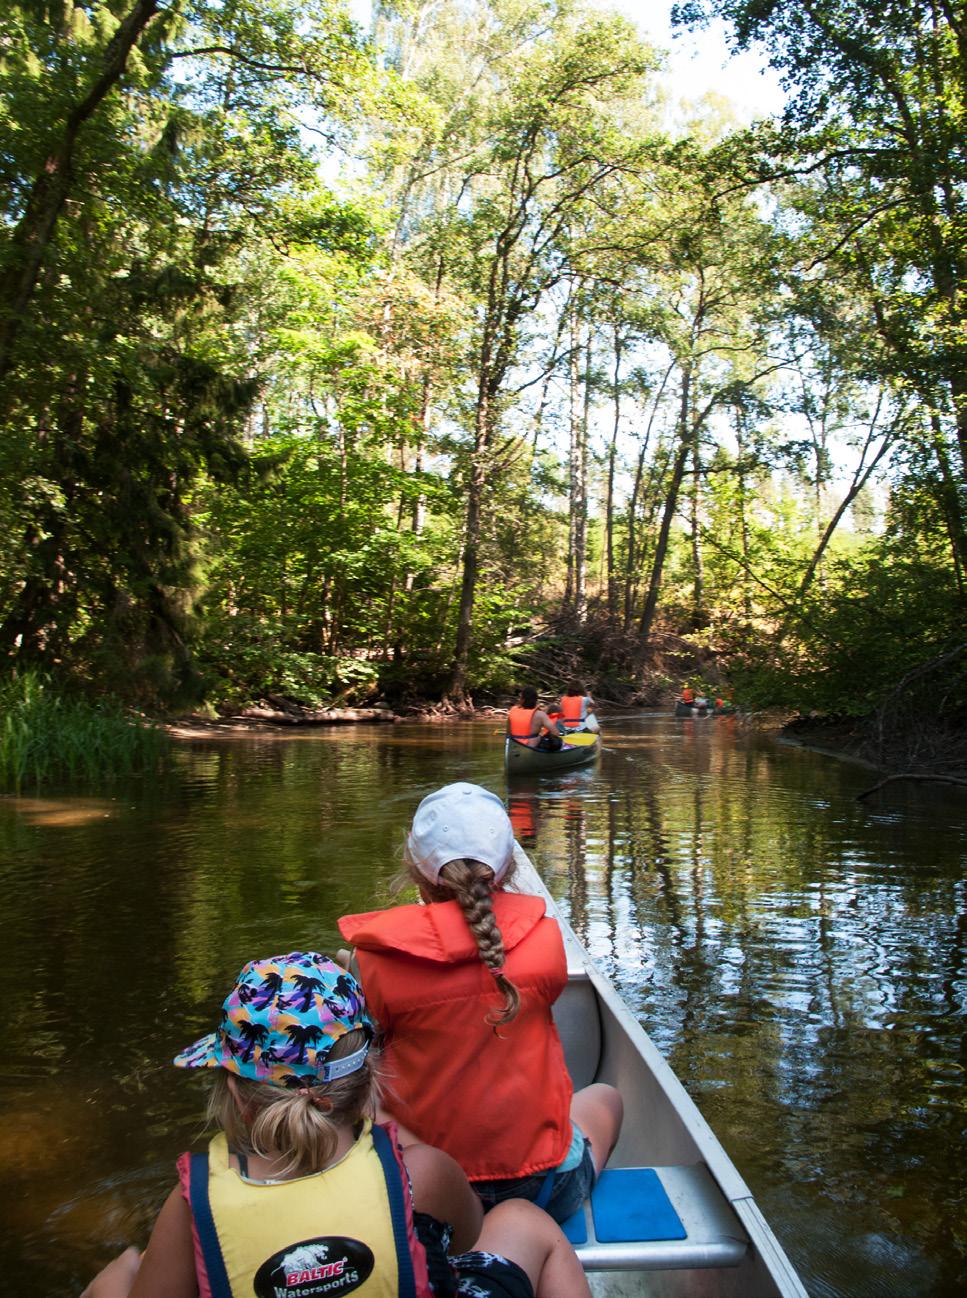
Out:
{"x": 394, "y": 1189}
{"x": 201, "y": 1209}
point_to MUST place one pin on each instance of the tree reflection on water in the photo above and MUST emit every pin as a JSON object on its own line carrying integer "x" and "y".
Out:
{"x": 798, "y": 956}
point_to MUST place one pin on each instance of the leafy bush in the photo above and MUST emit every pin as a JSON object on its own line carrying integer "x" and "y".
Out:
{"x": 256, "y": 657}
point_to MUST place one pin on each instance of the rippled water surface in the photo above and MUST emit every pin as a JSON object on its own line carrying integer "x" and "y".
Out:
{"x": 799, "y": 956}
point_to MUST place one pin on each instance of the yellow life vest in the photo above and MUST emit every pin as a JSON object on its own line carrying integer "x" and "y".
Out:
{"x": 346, "y": 1230}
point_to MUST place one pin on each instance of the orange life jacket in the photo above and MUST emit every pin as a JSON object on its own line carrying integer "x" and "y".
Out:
{"x": 521, "y": 720}
{"x": 688, "y": 696}
{"x": 498, "y": 1104}
{"x": 572, "y": 705}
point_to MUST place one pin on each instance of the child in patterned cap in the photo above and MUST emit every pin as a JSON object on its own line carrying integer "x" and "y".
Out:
{"x": 302, "y": 1194}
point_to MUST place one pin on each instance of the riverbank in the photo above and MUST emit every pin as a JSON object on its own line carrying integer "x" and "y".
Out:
{"x": 842, "y": 737}
{"x": 276, "y": 713}
{"x": 926, "y": 755}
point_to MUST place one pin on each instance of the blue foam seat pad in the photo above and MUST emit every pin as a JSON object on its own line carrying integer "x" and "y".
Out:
{"x": 630, "y": 1203}
{"x": 576, "y": 1227}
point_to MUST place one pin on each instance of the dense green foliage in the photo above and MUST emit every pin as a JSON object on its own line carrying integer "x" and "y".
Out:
{"x": 47, "y": 736}
{"x": 555, "y": 372}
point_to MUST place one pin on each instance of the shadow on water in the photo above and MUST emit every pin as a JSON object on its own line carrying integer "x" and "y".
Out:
{"x": 798, "y": 956}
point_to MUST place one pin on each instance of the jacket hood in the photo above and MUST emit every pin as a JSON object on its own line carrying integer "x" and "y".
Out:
{"x": 439, "y": 931}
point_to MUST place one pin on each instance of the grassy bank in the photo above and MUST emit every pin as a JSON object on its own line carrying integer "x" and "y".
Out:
{"x": 46, "y": 735}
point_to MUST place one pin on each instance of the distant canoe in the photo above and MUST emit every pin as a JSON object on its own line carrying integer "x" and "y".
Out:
{"x": 692, "y": 709}
{"x": 578, "y": 749}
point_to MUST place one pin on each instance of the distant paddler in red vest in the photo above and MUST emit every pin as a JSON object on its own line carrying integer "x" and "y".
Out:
{"x": 577, "y": 708}
{"x": 688, "y": 694}
{"x": 531, "y": 724}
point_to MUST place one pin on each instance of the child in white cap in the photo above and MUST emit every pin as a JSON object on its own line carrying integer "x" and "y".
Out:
{"x": 301, "y": 1193}
{"x": 462, "y": 988}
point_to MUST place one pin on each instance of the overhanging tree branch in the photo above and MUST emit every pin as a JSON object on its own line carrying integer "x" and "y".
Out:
{"x": 34, "y": 231}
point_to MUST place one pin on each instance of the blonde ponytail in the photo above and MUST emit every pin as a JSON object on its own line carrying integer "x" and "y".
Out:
{"x": 298, "y": 1127}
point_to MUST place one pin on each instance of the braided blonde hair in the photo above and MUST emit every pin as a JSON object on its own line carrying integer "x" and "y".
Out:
{"x": 471, "y": 885}
{"x": 300, "y": 1126}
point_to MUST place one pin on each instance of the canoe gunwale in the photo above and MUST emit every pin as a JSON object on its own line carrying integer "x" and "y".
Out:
{"x": 747, "y": 1254}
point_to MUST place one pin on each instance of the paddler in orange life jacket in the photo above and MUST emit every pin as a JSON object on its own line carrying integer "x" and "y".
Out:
{"x": 463, "y": 988}
{"x": 688, "y": 694}
{"x": 527, "y": 722}
{"x": 577, "y": 708}
{"x": 302, "y": 1193}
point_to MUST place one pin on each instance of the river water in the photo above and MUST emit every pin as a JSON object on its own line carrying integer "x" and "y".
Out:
{"x": 799, "y": 956}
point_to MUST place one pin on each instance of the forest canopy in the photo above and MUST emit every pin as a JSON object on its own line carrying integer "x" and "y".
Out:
{"x": 421, "y": 360}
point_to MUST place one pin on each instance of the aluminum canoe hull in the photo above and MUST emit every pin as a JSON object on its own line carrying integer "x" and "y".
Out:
{"x": 734, "y": 1251}
{"x": 521, "y": 759}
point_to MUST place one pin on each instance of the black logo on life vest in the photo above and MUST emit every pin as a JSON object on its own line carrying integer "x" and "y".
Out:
{"x": 315, "y": 1268}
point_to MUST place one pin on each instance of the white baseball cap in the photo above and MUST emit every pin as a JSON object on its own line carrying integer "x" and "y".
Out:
{"x": 461, "y": 820}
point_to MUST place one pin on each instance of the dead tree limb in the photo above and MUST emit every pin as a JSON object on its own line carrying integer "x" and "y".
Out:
{"x": 909, "y": 775}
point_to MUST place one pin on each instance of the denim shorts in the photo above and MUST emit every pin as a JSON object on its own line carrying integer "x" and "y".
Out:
{"x": 568, "y": 1190}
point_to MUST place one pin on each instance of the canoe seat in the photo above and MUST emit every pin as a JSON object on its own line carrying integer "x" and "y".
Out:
{"x": 656, "y": 1219}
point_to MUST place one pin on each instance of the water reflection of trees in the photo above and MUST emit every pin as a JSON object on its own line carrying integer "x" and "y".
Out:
{"x": 802, "y": 963}
{"x": 799, "y": 957}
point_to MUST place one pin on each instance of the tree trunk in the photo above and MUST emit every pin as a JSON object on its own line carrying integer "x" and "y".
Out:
{"x": 632, "y": 558}
{"x": 631, "y": 573}
{"x": 610, "y": 579}
{"x": 743, "y": 519}
{"x": 471, "y": 539}
{"x": 950, "y": 502}
{"x": 33, "y": 233}
{"x": 860, "y": 479}
{"x": 699, "y": 617}
{"x": 580, "y": 498}
{"x": 574, "y": 427}
{"x": 671, "y": 502}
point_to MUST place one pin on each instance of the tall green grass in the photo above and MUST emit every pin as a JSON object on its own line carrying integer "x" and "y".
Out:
{"x": 46, "y": 735}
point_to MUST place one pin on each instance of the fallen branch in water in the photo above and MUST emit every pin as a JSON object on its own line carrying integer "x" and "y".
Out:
{"x": 314, "y": 716}
{"x": 943, "y": 779}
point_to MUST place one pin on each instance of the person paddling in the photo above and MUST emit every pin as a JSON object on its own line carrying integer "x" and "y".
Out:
{"x": 577, "y": 708}
{"x": 531, "y": 724}
{"x": 462, "y": 987}
{"x": 300, "y": 1192}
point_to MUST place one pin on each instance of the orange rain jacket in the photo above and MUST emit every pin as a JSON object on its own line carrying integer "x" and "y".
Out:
{"x": 499, "y": 1103}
